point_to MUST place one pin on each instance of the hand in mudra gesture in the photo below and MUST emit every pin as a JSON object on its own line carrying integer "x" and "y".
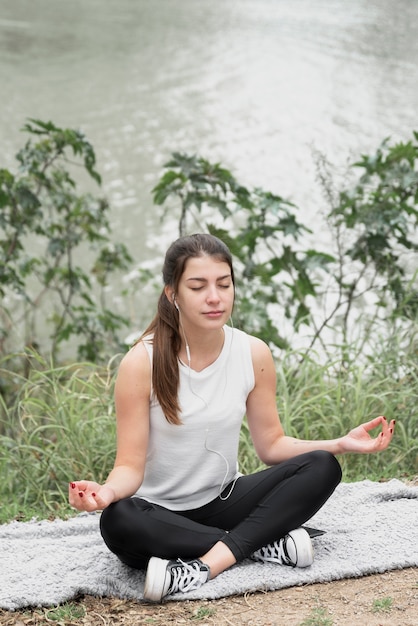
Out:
{"x": 359, "y": 440}
{"x": 86, "y": 495}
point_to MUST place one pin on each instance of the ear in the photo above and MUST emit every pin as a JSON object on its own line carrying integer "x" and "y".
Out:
{"x": 169, "y": 292}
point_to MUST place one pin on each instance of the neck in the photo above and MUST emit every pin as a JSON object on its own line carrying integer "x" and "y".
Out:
{"x": 200, "y": 350}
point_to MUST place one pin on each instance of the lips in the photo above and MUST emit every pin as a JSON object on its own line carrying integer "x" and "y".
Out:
{"x": 213, "y": 313}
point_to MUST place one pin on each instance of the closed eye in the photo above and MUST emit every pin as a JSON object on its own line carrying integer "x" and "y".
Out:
{"x": 219, "y": 286}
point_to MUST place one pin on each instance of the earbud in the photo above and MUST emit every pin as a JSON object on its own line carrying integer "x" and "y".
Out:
{"x": 176, "y": 305}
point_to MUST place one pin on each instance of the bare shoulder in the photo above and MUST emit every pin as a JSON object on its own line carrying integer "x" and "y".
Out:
{"x": 261, "y": 354}
{"x": 259, "y": 348}
{"x": 136, "y": 357}
{"x": 135, "y": 369}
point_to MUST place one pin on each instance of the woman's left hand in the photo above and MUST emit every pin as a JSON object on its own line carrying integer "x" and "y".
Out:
{"x": 358, "y": 440}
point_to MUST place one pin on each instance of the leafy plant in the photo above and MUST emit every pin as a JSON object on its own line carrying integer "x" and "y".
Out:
{"x": 46, "y": 228}
{"x": 373, "y": 226}
{"x": 262, "y": 234}
{"x": 365, "y": 277}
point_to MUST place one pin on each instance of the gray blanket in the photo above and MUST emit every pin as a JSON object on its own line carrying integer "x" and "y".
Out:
{"x": 370, "y": 528}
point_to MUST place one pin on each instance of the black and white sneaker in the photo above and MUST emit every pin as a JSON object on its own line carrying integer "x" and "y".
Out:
{"x": 166, "y": 577}
{"x": 294, "y": 549}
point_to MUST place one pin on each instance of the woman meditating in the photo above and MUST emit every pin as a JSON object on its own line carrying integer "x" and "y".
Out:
{"x": 175, "y": 503}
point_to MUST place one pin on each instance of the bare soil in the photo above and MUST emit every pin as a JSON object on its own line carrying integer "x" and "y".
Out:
{"x": 389, "y": 599}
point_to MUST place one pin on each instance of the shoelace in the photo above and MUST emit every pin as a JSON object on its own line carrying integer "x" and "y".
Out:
{"x": 185, "y": 577}
{"x": 276, "y": 550}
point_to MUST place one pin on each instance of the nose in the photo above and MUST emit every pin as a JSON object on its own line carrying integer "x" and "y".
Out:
{"x": 213, "y": 295}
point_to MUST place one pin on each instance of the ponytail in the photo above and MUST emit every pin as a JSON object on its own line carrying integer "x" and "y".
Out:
{"x": 165, "y": 368}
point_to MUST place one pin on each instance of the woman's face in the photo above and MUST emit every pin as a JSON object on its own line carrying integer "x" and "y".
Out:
{"x": 205, "y": 294}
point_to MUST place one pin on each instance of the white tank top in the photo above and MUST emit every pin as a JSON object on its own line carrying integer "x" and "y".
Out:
{"x": 188, "y": 465}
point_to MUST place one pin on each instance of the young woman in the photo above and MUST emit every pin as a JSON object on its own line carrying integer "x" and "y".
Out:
{"x": 174, "y": 502}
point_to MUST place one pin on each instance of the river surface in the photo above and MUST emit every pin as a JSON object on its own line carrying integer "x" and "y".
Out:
{"x": 259, "y": 85}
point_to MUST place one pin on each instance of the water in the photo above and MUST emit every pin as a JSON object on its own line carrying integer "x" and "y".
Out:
{"x": 258, "y": 85}
{"x": 255, "y": 84}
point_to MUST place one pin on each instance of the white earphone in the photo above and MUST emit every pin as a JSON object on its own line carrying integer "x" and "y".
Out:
{"x": 181, "y": 325}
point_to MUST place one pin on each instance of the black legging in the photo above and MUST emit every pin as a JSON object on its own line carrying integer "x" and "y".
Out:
{"x": 261, "y": 508}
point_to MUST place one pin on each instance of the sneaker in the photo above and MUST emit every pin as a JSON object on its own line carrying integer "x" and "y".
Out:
{"x": 166, "y": 577}
{"x": 294, "y": 549}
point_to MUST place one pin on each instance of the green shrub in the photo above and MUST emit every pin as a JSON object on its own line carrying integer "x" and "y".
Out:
{"x": 55, "y": 248}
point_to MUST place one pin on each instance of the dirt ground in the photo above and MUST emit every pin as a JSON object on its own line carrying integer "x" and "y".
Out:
{"x": 389, "y": 599}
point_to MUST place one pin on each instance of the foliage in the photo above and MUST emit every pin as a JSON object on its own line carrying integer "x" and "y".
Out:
{"x": 47, "y": 229}
{"x": 61, "y": 424}
{"x": 263, "y": 238}
{"x": 335, "y": 297}
{"x": 373, "y": 224}
{"x": 323, "y": 401}
{"x": 57, "y": 422}
{"x": 372, "y": 230}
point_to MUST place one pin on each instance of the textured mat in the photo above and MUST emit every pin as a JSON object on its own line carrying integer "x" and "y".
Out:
{"x": 370, "y": 528}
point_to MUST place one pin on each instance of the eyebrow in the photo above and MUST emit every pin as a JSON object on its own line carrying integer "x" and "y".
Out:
{"x": 204, "y": 280}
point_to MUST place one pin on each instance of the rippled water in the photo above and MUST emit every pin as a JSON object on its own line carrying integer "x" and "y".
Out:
{"x": 255, "y": 84}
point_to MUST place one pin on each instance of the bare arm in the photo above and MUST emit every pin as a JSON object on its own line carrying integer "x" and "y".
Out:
{"x": 132, "y": 396}
{"x": 272, "y": 445}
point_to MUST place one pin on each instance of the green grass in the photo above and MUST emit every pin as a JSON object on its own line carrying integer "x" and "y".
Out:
{"x": 324, "y": 401}
{"x": 382, "y": 605}
{"x": 202, "y": 613}
{"x": 58, "y": 424}
{"x": 318, "y": 617}
{"x": 60, "y": 427}
{"x": 321, "y": 402}
{"x": 68, "y": 611}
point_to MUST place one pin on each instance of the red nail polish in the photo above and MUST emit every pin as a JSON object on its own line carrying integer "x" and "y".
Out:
{"x": 391, "y": 430}
{"x": 94, "y": 495}
{"x": 394, "y": 422}
{"x": 81, "y": 494}
{"x": 72, "y": 485}
{"x": 384, "y": 418}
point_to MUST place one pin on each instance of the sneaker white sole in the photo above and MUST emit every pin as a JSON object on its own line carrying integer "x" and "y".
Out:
{"x": 155, "y": 579}
{"x": 303, "y": 546}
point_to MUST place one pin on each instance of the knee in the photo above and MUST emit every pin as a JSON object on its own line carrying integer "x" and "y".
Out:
{"x": 115, "y": 522}
{"x": 326, "y": 467}
{"x": 120, "y": 526}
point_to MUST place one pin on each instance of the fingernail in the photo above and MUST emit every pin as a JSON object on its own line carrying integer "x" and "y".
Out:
{"x": 384, "y": 417}
{"x": 94, "y": 495}
{"x": 391, "y": 430}
{"x": 394, "y": 422}
{"x": 81, "y": 494}
{"x": 72, "y": 485}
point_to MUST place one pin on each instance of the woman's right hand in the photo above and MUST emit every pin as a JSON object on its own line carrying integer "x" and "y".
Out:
{"x": 86, "y": 495}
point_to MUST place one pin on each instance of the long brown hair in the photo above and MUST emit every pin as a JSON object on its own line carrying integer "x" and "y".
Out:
{"x": 165, "y": 326}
